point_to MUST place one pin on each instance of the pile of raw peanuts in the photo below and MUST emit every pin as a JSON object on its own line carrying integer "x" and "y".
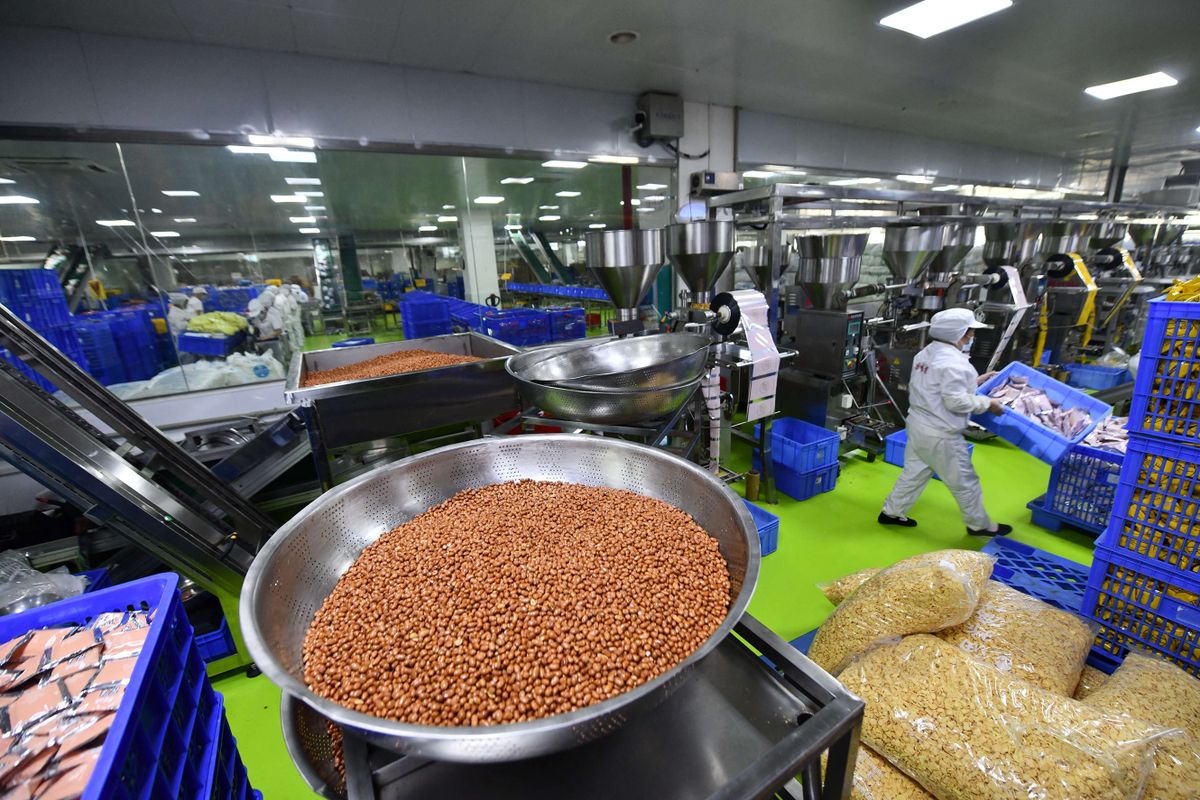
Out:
{"x": 517, "y": 601}
{"x": 381, "y": 366}
{"x": 974, "y": 690}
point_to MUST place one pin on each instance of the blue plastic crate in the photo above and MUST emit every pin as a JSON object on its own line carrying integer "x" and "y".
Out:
{"x": 518, "y": 326}
{"x": 1142, "y": 605}
{"x": 355, "y": 342}
{"x": 895, "y": 445}
{"x": 1165, "y": 403}
{"x": 1155, "y": 509}
{"x": 1033, "y": 437}
{"x": 145, "y": 754}
{"x": 209, "y": 344}
{"x": 1082, "y": 486}
{"x": 566, "y": 324}
{"x": 226, "y": 777}
{"x": 422, "y": 329}
{"x": 800, "y": 446}
{"x": 803, "y": 485}
{"x": 1050, "y": 578}
{"x": 1090, "y": 376}
{"x": 218, "y": 644}
{"x": 768, "y": 528}
{"x": 99, "y": 348}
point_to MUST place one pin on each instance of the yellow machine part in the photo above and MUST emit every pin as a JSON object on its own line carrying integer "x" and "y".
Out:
{"x": 1087, "y": 314}
{"x": 1043, "y": 329}
{"x": 1135, "y": 273}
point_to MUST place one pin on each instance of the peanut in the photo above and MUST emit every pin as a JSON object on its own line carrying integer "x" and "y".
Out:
{"x": 390, "y": 364}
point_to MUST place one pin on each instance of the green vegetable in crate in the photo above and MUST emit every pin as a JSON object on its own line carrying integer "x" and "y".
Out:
{"x": 225, "y": 323}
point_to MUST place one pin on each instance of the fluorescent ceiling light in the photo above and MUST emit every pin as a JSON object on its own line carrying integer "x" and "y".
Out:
{"x": 309, "y": 230}
{"x": 286, "y": 141}
{"x": 248, "y": 150}
{"x": 115, "y": 223}
{"x": 447, "y": 207}
{"x": 288, "y": 198}
{"x": 853, "y": 181}
{"x": 17, "y": 199}
{"x": 185, "y": 219}
{"x": 447, "y": 219}
{"x": 427, "y": 228}
{"x": 314, "y": 208}
{"x": 301, "y": 220}
{"x": 489, "y": 200}
{"x": 180, "y": 193}
{"x": 512, "y": 227}
{"x": 517, "y": 180}
{"x": 597, "y": 226}
{"x": 931, "y": 17}
{"x": 651, "y": 187}
{"x": 550, "y": 218}
{"x": 949, "y": 187}
{"x": 758, "y": 173}
{"x": 784, "y": 170}
{"x": 7, "y": 180}
{"x": 1142, "y": 83}
{"x": 165, "y": 234}
{"x": 156, "y": 210}
{"x": 17, "y": 238}
{"x": 646, "y": 209}
{"x": 303, "y": 181}
{"x": 296, "y": 156}
{"x": 915, "y": 179}
{"x": 554, "y": 164}
{"x": 311, "y": 194}
{"x": 613, "y": 159}
{"x": 567, "y": 194}
{"x": 654, "y": 198}
{"x": 548, "y": 208}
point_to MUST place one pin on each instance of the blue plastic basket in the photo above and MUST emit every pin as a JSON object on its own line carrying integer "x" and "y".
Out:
{"x": 519, "y": 326}
{"x": 1165, "y": 402}
{"x": 209, "y": 344}
{"x": 800, "y": 446}
{"x": 566, "y": 324}
{"x": 1139, "y": 605}
{"x": 424, "y": 329}
{"x": 1082, "y": 486}
{"x": 218, "y": 644}
{"x": 225, "y": 771}
{"x": 768, "y": 528}
{"x": 146, "y": 753}
{"x": 1033, "y": 437}
{"x": 355, "y": 342}
{"x": 895, "y": 445}
{"x": 1090, "y": 376}
{"x": 803, "y": 485}
{"x": 97, "y": 579}
{"x": 1156, "y": 510}
{"x": 99, "y": 347}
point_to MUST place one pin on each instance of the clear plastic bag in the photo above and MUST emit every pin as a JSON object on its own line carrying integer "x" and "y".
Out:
{"x": 22, "y": 586}
{"x": 1020, "y": 634}
{"x": 876, "y": 779}
{"x": 839, "y": 589}
{"x": 922, "y": 594}
{"x": 1090, "y": 679}
{"x": 966, "y": 731}
{"x": 1159, "y": 693}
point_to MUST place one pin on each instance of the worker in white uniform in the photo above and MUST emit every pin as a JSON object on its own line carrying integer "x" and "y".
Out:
{"x": 941, "y": 398}
{"x": 179, "y": 315}
{"x": 195, "y": 303}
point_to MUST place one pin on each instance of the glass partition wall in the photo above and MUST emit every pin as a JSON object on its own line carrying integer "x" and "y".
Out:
{"x": 165, "y": 268}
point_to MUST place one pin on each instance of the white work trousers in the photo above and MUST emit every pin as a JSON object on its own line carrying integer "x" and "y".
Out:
{"x": 949, "y": 457}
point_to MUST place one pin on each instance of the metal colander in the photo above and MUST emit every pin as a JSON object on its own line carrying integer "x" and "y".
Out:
{"x": 637, "y": 363}
{"x": 299, "y": 566}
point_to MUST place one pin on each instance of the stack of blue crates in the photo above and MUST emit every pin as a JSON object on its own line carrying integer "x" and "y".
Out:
{"x": 1144, "y": 585}
{"x": 236, "y": 298}
{"x": 423, "y": 314}
{"x": 36, "y": 297}
{"x": 137, "y": 343}
{"x": 805, "y": 458}
{"x": 573, "y": 292}
{"x": 523, "y": 327}
{"x": 100, "y": 348}
{"x": 566, "y": 323}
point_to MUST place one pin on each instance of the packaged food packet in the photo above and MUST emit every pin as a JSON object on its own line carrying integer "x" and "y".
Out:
{"x": 1031, "y": 639}
{"x": 967, "y": 731}
{"x": 922, "y": 594}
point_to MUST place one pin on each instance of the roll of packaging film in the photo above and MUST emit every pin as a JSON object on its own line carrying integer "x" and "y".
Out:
{"x": 750, "y": 309}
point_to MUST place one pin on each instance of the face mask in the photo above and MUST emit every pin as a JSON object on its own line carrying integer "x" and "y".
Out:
{"x": 966, "y": 348}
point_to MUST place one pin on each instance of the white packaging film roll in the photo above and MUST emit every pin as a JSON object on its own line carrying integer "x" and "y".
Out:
{"x": 764, "y": 371}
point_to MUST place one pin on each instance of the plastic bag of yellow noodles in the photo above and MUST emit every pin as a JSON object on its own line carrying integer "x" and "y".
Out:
{"x": 1182, "y": 291}
{"x": 1020, "y": 634}
{"x": 1090, "y": 680}
{"x": 839, "y": 589}
{"x": 1154, "y": 691}
{"x": 876, "y": 779}
{"x": 922, "y": 594}
{"x": 966, "y": 731}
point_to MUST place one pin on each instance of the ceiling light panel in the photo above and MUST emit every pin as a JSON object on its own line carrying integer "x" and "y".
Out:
{"x": 185, "y": 219}
{"x": 17, "y": 239}
{"x": 1142, "y": 83}
{"x": 556, "y": 164}
{"x": 281, "y": 141}
{"x": 6, "y": 181}
{"x": 314, "y": 208}
{"x": 301, "y": 220}
{"x": 521, "y": 181}
{"x": 293, "y": 156}
{"x": 613, "y": 159}
{"x": 447, "y": 219}
{"x": 115, "y": 223}
{"x": 309, "y": 230}
{"x": 931, "y": 17}
{"x": 165, "y": 234}
{"x": 548, "y": 208}
{"x": 651, "y": 187}
{"x": 288, "y": 198}
{"x": 17, "y": 200}
{"x": 926, "y": 179}
{"x": 758, "y": 173}
{"x": 303, "y": 181}
{"x": 489, "y": 200}
{"x": 566, "y": 193}
{"x": 550, "y": 218}
{"x": 311, "y": 194}
{"x": 597, "y": 226}
{"x": 427, "y": 228}
{"x": 180, "y": 193}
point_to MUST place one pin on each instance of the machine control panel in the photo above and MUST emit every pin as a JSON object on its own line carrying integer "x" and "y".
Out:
{"x": 854, "y": 333}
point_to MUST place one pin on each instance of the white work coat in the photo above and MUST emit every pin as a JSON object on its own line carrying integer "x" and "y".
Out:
{"x": 941, "y": 391}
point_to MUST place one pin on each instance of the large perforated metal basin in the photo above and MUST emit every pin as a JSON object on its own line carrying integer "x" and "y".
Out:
{"x": 299, "y": 566}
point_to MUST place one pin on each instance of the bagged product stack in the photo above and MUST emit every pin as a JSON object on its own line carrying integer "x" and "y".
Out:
{"x": 1144, "y": 586}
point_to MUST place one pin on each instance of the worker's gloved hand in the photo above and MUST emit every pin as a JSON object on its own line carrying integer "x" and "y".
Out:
{"x": 985, "y": 377}
{"x": 995, "y": 408}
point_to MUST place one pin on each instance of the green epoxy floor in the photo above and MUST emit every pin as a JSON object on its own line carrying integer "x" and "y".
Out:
{"x": 820, "y": 539}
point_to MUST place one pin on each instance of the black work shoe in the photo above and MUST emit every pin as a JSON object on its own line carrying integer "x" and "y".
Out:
{"x": 1001, "y": 530}
{"x": 885, "y": 519}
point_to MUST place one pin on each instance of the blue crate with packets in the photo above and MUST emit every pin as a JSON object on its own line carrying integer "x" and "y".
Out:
{"x": 1165, "y": 403}
{"x": 1029, "y": 434}
{"x": 141, "y": 722}
{"x": 1082, "y": 487}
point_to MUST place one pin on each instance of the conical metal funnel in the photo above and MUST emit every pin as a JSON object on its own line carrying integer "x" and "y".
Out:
{"x": 957, "y": 241}
{"x": 827, "y": 265}
{"x": 1143, "y": 235}
{"x": 700, "y": 252}
{"x": 1170, "y": 234}
{"x": 1060, "y": 238}
{"x": 756, "y": 262}
{"x": 1009, "y": 243}
{"x": 1106, "y": 234}
{"x": 625, "y": 263}
{"x": 908, "y": 247}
